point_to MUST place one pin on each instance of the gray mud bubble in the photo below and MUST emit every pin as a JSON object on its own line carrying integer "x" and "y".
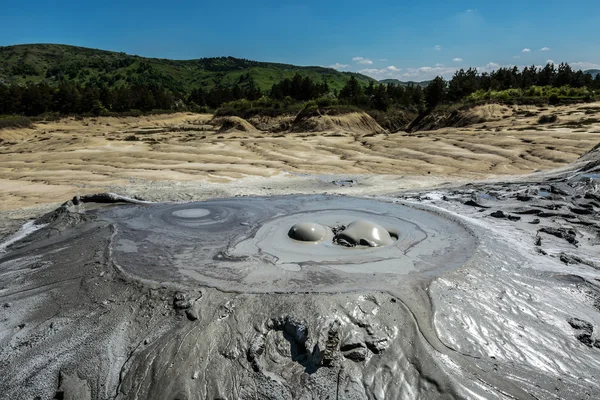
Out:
{"x": 307, "y": 232}
{"x": 367, "y": 233}
{"x": 245, "y": 244}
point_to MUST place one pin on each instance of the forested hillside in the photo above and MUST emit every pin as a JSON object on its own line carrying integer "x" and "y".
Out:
{"x": 53, "y": 64}
{"x": 38, "y": 79}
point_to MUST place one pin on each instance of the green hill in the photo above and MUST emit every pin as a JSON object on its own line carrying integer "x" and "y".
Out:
{"x": 52, "y": 63}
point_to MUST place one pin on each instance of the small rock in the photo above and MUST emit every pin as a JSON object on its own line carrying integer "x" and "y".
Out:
{"x": 586, "y": 339}
{"x": 498, "y": 214}
{"x": 377, "y": 345}
{"x": 581, "y": 325}
{"x": 538, "y": 241}
{"x": 357, "y": 354}
{"x": 7, "y": 305}
{"x": 535, "y": 221}
{"x": 474, "y": 204}
{"x": 21, "y": 326}
{"x": 524, "y": 198}
{"x": 191, "y": 314}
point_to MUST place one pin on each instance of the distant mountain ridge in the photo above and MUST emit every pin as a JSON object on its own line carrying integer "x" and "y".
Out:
{"x": 592, "y": 72}
{"x": 52, "y": 63}
{"x": 404, "y": 83}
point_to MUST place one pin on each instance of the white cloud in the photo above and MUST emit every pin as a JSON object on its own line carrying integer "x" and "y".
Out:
{"x": 383, "y": 59}
{"x": 457, "y": 59}
{"x": 583, "y": 65}
{"x": 545, "y": 49}
{"x": 516, "y": 57}
{"x": 549, "y": 61}
{"x": 338, "y": 66}
{"x": 526, "y": 50}
{"x": 491, "y": 66}
{"x": 427, "y": 73}
{"x": 470, "y": 11}
{"x": 437, "y": 47}
{"x": 383, "y": 73}
{"x": 439, "y": 65}
{"x": 362, "y": 60}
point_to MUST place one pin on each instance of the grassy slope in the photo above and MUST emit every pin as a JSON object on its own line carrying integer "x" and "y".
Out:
{"x": 31, "y": 63}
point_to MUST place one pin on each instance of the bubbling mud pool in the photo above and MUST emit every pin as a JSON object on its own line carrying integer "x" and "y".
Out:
{"x": 250, "y": 244}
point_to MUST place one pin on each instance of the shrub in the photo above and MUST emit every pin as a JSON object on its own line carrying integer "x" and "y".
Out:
{"x": 547, "y": 119}
{"x": 15, "y": 121}
{"x": 553, "y": 99}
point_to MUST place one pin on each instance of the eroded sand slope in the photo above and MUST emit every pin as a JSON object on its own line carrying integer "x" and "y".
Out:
{"x": 56, "y": 160}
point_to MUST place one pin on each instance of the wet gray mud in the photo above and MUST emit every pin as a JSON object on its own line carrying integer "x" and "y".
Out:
{"x": 243, "y": 244}
{"x": 216, "y": 300}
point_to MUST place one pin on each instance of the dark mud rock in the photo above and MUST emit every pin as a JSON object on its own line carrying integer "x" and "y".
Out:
{"x": 556, "y": 190}
{"x": 501, "y": 215}
{"x": 582, "y": 211}
{"x": 538, "y": 241}
{"x": 256, "y": 349}
{"x": 528, "y": 211}
{"x": 581, "y": 325}
{"x": 377, "y": 345}
{"x": 563, "y": 233}
{"x": 585, "y": 339}
{"x": 535, "y": 221}
{"x": 353, "y": 347}
{"x": 357, "y": 355}
{"x": 498, "y": 214}
{"x": 292, "y": 326}
{"x": 331, "y": 345}
{"x": 180, "y": 302}
{"x": 474, "y": 204}
{"x": 70, "y": 387}
{"x": 522, "y": 197}
{"x": 191, "y": 314}
{"x": 344, "y": 182}
{"x": 572, "y": 259}
{"x": 592, "y": 196}
{"x": 106, "y": 198}
{"x": 585, "y": 330}
{"x": 567, "y": 259}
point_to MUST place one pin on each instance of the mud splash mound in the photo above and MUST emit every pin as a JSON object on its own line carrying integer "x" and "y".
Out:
{"x": 243, "y": 244}
{"x": 233, "y": 124}
{"x": 355, "y": 123}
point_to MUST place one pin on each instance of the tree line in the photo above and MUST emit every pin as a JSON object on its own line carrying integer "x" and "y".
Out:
{"x": 99, "y": 98}
{"x": 465, "y": 83}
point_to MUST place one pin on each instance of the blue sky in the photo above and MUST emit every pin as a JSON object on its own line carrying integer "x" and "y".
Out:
{"x": 384, "y": 39}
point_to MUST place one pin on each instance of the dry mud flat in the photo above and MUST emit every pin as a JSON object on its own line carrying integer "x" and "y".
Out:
{"x": 89, "y": 312}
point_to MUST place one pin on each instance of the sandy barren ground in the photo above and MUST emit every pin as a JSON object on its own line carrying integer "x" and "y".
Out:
{"x": 56, "y": 160}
